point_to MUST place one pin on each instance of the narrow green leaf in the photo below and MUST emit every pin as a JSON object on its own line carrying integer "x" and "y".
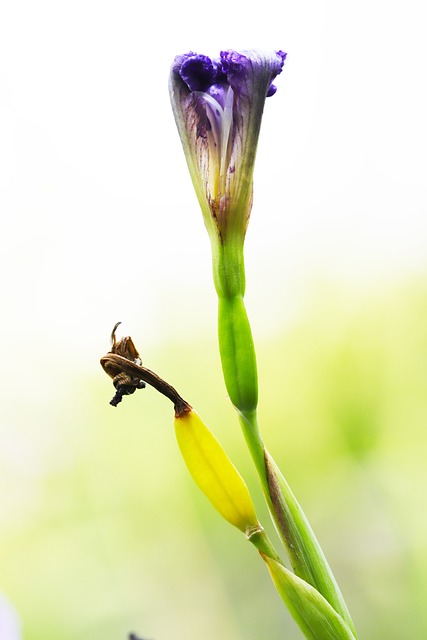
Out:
{"x": 313, "y": 614}
{"x": 306, "y": 556}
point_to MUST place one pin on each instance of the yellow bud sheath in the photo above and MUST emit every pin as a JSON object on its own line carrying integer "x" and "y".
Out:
{"x": 214, "y": 473}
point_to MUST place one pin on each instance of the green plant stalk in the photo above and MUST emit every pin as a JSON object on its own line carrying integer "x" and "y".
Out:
{"x": 217, "y": 477}
{"x": 262, "y": 542}
{"x": 240, "y": 374}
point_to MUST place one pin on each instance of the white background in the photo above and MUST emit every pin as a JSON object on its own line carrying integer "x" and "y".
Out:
{"x": 98, "y": 219}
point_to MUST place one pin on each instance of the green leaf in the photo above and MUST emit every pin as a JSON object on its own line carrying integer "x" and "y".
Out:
{"x": 306, "y": 556}
{"x": 313, "y": 614}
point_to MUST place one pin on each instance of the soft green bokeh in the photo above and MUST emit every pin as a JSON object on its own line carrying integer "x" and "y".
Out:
{"x": 102, "y": 530}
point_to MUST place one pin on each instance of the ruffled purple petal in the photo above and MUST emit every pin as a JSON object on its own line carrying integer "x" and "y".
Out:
{"x": 198, "y": 72}
{"x": 201, "y": 73}
{"x": 281, "y": 61}
{"x": 239, "y": 68}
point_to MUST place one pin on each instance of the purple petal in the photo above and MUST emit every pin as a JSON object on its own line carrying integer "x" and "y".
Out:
{"x": 218, "y": 91}
{"x": 241, "y": 69}
{"x": 236, "y": 67}
{"x": 271, "y": 90}
{"x": 197, "y": 71}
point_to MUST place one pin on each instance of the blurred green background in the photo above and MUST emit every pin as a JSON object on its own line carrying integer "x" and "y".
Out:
{"x": 101, "y": 528}
{"x": 103, "y": 531}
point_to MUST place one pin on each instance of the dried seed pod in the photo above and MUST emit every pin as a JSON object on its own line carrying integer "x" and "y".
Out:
{"x": 123, "y": 364}
{"x": 124, "y": 383}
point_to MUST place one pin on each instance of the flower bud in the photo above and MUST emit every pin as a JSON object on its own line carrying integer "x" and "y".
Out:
{"x": 218, "y": 106}
{"x": 214, "y": 473}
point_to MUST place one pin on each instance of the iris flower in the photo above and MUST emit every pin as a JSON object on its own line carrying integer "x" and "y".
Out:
{"x": 218, "y": 106}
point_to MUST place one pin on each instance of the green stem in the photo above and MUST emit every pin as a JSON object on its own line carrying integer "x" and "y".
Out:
{"x": 228, "y": 266}
{"x": 240, "y": 374}
{"x": 305, "y": 553}
{"x": 261, "y": 541}
{"x": 252, "y": 434}
{"x": 237, "y": 354}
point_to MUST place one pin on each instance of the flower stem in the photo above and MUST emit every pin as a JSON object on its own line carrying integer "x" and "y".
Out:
{"x": 240, "y": 374}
